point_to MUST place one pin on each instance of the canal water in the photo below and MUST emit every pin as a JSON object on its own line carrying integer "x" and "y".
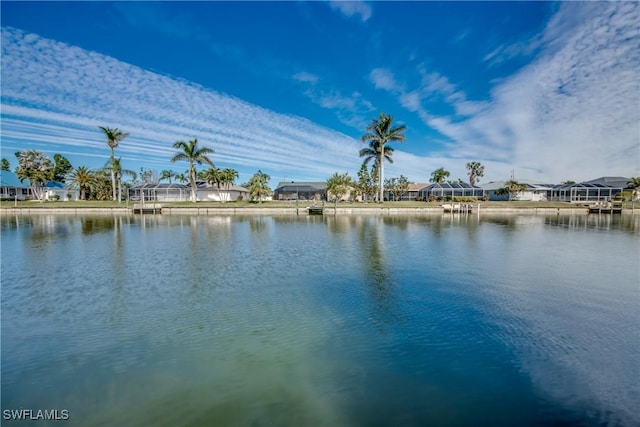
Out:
{"x": 321, "y": 321}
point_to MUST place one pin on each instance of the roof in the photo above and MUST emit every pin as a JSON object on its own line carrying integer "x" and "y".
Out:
{"x": 293, "y": 186}
{"x": 10, "y": 179}
{"x": 531, "y": 185}
{"x": 160, "y": 186}
{"x": 417, "y": 187}
{"x": 450, "y": 186}
{"x": 602, "y": 182}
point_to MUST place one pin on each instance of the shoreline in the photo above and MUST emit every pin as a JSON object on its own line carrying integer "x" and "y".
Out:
{"x": 302, "y": 211}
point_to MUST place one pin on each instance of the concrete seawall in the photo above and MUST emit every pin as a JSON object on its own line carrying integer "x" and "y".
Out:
{"x": 328, "y": 210}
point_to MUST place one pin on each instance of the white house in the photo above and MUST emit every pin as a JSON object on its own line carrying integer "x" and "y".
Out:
{"x": 535, "y": 191}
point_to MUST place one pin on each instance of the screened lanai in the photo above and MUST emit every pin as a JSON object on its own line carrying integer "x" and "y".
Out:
{"x": 601, "y": 189}
{"x": 448, "y": 190}
{"x": 161, "y": 192}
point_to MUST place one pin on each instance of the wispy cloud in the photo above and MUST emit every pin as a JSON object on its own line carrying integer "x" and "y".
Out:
{"x": 54, "y": 96}
{"x": 353, "y": 8}
{"x": 572, "y": 113}
{"x": 305, "y": 77}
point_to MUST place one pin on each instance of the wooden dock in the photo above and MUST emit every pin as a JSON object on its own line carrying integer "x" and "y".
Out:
{"x": 605, "y": 208}
{"x": 457, "y": 208}
{"x": 315, "y": 210}
{"x": 147, "y": 208}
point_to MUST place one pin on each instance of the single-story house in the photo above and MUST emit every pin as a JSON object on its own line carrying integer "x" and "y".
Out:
{"x": 601, "y": 189}
{"x": 534, "y": 191}
{"x": 448, "y": 190}
{"x": 300, "y": 191}
{"x": 410, "y": 195}
{"x": 160, "y": 192}
{"x": 58, "y": 191}
{"x": 12, "y": 188}
{"x": 211, "y": 192}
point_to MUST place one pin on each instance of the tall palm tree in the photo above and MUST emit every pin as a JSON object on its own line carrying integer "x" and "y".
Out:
{"x": 117, "y": 171}
{"x": 381, "y": 131}
{"x": 114, "y": 136}
{"x": 372, "y": 153}
{"x": 476, "y": 171}
{"x": 191, "y": 152}
{"x": 82, "y": 179}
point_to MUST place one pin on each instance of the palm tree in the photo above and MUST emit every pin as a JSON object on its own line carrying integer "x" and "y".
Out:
{"x": 258, "y": 186}
{"x": 512, "y": 187}
{"x": 372, "y": 152}
{"x": 228, "y": 177}
{"x": 114, "y": 136}
{"x": 82, "y": 179}
{"x": 167, "y": 174}
{"x": 380, "y": 133}
{"x": 116, "y": 171}
{"x": 439, "y": 175}
{"x": 181, "y": 178}
{"x": 191, "y": 152}
{"x": 213, "y": 176}
{"x": 634, "y": 185}
{"x": 476, "y": 171}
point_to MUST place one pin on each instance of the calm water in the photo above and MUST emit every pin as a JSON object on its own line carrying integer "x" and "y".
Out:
{"x": 322, "y": 321}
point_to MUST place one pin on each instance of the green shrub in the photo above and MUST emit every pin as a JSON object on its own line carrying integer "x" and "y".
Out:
{"x": 54, "y": 198}
{"x": 419, "y": 199}
{"x": 465, "y": 199}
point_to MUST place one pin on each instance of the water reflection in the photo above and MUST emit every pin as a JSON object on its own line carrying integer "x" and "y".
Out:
{"x": 334, "y": 320}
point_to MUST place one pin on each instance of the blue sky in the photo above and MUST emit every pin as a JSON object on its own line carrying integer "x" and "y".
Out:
{"x": 548, "y": 90}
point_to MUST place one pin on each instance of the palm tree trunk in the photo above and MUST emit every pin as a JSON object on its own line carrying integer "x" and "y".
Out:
{"x": 119, "y": 189}
{"x": 113, "y": 175}
{"x": 192, "y": 177}
{"x": 381, "y": 176}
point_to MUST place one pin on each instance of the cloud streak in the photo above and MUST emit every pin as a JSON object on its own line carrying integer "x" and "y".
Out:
{"x": 54, "y": 97}
{"x": 572, "y": 113}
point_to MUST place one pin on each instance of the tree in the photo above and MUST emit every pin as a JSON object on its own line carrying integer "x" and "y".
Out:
{"x": 439, "y": 175}
{"x": 568, "y": 182}
{"x": 114, "y": 136}
{"x": 213, "y": 176}
{"x": 476, "y": 171}
{"x": 365, "y": 185}
{"x": 167, "y": 174}
{"x": 35, "y": 167}
{"x": 115, "y": 168}
{"x": 380, "y": 133}
{"x": 228, "y": 178}
{"x": 258, "y": 186}
{"x": 82, "y": 179}
{"x": 192, "y": 153}
{"x": 372, "y": 152}
{"x": 397, "y": 186}
{"x": 180, "y": 177}
{"x": 4, "y": 165}
{"x": 339, "y": 185}
{"x": 634, "y": 185}
{"x": 149, "y": 176}
{"x": 512, "y": 187}
{"x": 61, "y": 167}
